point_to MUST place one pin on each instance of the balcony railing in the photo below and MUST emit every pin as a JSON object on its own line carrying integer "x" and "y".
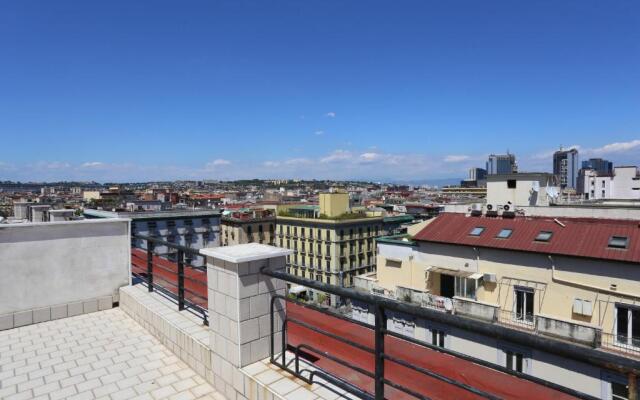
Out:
{"x": 517, "y": 320}
{"x": 365, "y": 360}
{"x": 621, "y": 344}
{"x": 171, "y": 274}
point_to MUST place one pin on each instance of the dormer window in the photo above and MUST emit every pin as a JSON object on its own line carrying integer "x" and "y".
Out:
{"x": 618, "y": 242}
{"x": 477, "y": 231}
{"x": 504, "y": 233}
{"x": 544, "y": 236}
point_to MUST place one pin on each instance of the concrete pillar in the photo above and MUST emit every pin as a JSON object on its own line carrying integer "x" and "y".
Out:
{"x": 239, "y": 302}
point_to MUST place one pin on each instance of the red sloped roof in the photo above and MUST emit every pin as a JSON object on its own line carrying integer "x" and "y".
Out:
{"x": 579, "y": 237}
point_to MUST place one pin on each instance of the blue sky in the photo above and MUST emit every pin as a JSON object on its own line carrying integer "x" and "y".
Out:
{"x": 122, "y": 90}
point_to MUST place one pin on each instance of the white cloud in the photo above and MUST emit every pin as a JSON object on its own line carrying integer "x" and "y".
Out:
{"x": 216, "y": 164}
{"x": 548, "y": 154}
{"x": 337, "y": 155}
{"x": 92, "y": 164}
{"x": 297, "y": 161}
{"x": 271, "y": 164}
{"x": 318, "y": 133}
{"x": 369, "y": 157}
{"x": 331, "y": 114}
{"x": 617, "y": 147}
{"x": 456, "y": 158}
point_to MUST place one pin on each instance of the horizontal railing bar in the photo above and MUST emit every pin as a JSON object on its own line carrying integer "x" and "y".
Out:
{"x": 156, "y": 240}
{"x": 334, "y": 359}
{"x": 404, "y": 389}
{"x": 440, "y": 377}
{"x": 331, "y": 335}
{"x": 495, "y": 331}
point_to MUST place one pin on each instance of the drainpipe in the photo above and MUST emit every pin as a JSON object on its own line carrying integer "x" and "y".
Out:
{"x": 633, "y": 386}
{"x": 585, "y": 285}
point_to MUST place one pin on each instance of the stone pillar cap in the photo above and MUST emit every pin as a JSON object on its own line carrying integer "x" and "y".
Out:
{"x": 245, "y": 252}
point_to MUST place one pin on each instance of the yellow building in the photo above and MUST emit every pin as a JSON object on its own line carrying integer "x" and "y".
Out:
{"x": 247, "y": 226}
{"x": 331, "y": 243}
{"x": 582, "y": 272}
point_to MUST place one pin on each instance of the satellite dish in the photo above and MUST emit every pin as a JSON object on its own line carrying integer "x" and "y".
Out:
{"x": 552, "y": 192}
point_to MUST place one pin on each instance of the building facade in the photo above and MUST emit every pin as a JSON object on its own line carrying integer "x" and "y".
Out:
{"x": 331, "y": 244}
{"x": 600, "y": 165}
{"x": 566, "y": 167}
{"x": 564, "y": 278}
{"x": 622, "y": 184}
{"x": 196, "y": 229}
{"x": 248, "y": 226}
{"x": 501, "y": 164}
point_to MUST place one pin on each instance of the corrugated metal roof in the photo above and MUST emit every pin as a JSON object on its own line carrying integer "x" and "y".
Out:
{"x": 578, "y": 237}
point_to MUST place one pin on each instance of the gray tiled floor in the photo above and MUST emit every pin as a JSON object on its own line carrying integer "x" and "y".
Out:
{"x": 103, "y": 355}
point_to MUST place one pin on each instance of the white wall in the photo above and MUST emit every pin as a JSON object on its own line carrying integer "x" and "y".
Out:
{"x": 62, "y": 262}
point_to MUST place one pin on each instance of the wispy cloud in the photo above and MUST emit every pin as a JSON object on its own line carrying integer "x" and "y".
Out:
{"x": 218, "y": 162}
{"x": 613, "y": 148}
{"x": 456, "y": 158}
{"x": 318, "y": 133}
{"x": 92, "y": 164}
{"x": 337, "y": 155}
{"x": 331, "y": 114}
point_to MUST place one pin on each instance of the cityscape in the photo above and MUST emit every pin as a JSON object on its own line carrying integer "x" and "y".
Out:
{"x": 180, "y": 241}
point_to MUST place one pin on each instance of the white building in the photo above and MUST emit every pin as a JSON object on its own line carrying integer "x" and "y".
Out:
{"x": 623, "y": 184}
{"x": 521, "y": 189}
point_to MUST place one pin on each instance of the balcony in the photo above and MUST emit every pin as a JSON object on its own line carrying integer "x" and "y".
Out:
{"x": 152, "y": 340}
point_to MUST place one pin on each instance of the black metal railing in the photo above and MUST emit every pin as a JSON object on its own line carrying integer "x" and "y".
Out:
{"x": 381, "y": 357}
{"x": 171, "y": 270}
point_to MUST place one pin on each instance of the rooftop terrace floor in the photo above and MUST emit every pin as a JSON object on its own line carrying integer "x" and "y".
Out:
{"x": 103, "y": 355}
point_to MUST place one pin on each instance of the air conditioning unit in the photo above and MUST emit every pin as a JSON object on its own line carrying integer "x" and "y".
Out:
{"x": 492, "y": 210}
{"x": 491, "y": 278}
{"x": 476, "y": 209}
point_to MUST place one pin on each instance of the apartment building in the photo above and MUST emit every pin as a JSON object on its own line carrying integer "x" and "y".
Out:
{"x": 196, "y": 229}
{"x": 622, "y": 184}
{"x": 574, "y": 279}
{"x": 247, "y": 226}
{"x": 331, "y": 243}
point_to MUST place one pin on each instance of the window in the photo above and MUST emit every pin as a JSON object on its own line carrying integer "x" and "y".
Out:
{"x": 514, "y": 358}
{"x": 544, "y": 236}
{"x": 437, "y": 337}
{"x": 618, "y": 242}
{"x": 511, "y": 183}
{"x": 504, "y": 233}
{"x": 477, "y": 231}
{"x": 515, "y": 361}
{"x": 465, "y": 287}
{"x": 523, "y": 304}
{"x": 619, "y": 391}
{"x": 627, "y": 325}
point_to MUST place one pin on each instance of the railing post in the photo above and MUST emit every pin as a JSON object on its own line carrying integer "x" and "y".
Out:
{"x": 380, "y": 326}
{"x": 180, "y": 280}
{"x": 150, "y": 265}
{"x": 633, "y": 386}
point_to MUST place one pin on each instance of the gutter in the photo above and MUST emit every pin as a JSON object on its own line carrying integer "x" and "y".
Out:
{"x": 586, "y": 285}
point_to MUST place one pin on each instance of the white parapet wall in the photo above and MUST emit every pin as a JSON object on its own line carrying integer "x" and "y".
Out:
{"x": 59, "y": 269}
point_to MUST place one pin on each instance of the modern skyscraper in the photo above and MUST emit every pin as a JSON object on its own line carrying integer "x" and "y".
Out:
{"x": 601, "y": 166}
{"x": 477, "y": 174}
{"x": 565, "y": 166}
{"x": 501, "y": 164}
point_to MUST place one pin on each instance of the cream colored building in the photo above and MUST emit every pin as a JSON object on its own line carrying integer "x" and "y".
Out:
{"x": 247, "y": 226}
{"x": 566, "y": 278}
{"x": 332, "y": 243}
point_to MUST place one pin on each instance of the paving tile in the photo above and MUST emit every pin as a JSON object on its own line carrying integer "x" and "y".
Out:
{"x": 103, "y": 355}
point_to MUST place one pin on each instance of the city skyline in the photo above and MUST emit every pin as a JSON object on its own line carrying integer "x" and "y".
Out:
{"x": 123, "y": 92}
